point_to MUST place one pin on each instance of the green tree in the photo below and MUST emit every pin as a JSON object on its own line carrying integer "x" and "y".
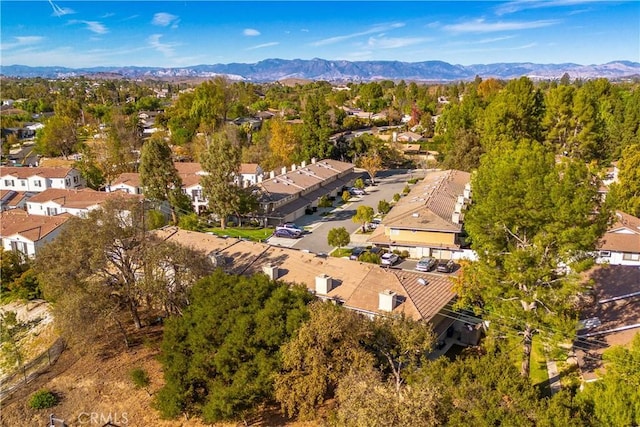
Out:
{"x": 363, "y": 215}
{"x": 338, "y": 237}
{"x": 625, "y": 194}
{"x": 522, "y": 233}
{"x": 359, "y": 184}
{"x": 614, "y": 399}
{"x": 59, "y": 137}
{"x": 220, "y": 357}
{"x": 346, "y": 196}
{"x": 384, "y": 207}
{"x": 211, "y": 102}
{"x": 316, "y": 128}
{"x": 159, "y": 176}
{"x": 221, "y": 162}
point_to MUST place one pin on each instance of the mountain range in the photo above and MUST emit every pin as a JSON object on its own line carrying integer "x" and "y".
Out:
{"x": 342, "y": 71}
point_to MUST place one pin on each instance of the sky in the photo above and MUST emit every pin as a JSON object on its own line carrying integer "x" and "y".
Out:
{"x": 186, "y": 33}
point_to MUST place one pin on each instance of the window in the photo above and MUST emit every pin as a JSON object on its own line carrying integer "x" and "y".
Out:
{"x": 605, "y": 254}
{"x": 19, "y": 247}
{"x": 23, "y": 183}
{"x": 8, "y": 182}
{"x": 75, "y": 179}
{"x": 37, "y": 183}
{"x": 52, "y": 211}
{"x": 196, "y": 194}
{"x": 67, "y": 182}
{"x": 631, "y": 257}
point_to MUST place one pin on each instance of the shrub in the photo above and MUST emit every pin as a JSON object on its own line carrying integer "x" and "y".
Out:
{"x": 140, "y": 378}
{"x": 324, "y": 202}
{"x": 396, "y": 197}
{"x": 189, "y": 222}
{"x": 406, "y": 189}
{"x": 383, "y": 207}
{"x": 404, "y": 254}
{"x": 359, "y": 183}
{"x": 370, "y": 258}
{"x": 43, "y": 399}
{"x": 413, "y": 180}
{"x": 346, "y": 196}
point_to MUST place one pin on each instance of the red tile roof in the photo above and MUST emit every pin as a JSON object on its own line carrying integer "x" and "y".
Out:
{"x": 26, "y": 172}
{"x": 32, "y": 227}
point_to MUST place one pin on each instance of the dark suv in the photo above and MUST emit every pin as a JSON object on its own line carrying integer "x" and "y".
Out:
{"x": 445, "y": 266}
{"x": 356, "y": 252}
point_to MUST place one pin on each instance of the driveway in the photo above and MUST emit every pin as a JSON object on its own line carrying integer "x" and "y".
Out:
{"x": 388, "y": 183}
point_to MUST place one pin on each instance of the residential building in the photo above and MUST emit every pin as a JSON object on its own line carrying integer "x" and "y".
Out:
{"x": 288, "y": 195}
{"x": 366, "y": 288}
{"x": 10, "y": 199}
{"x": 37, "y": 179}
{"x": 128, "y": 182}
{"x": 54, "y": 201}
{"x": 26, "y": 233}
{"x": 620, "y": 244}
{"x": 429, "y": 220}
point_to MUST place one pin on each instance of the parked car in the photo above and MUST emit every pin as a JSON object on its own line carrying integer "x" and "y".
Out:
{"x": 375, "y": 223}
{"x": 357, "y": 191}
{"x": 356, "y": 252}
{"x": 426, "y": 264}
{"x": 289, "y": 234}
{"x": 389, "y": 259}
{"x": 445, "y": 266}
{"x": 291, "y": 227}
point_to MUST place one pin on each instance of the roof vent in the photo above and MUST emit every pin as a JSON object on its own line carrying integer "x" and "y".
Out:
{"x": 415, "y": 215}
{"x": 422, "y": 281}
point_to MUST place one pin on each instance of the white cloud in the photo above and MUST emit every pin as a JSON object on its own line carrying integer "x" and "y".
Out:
{"x": 517, "y": 6}
{"x": 492, "y": 40}
{"x": 394, "y": 43}
{"x": 377, "y": 29}
{"x": 93, "y": 26}
{"x": 164, "y": 19}
{"x": 21, "y": 41}
{"x": 60, "y": 11}
{"x": 250, "y": 32}
{"x": 165, "y": 48}
{"x": 481, "y": 26}
{"x": 107, "y": 15}
{"x": 263, "y": 45}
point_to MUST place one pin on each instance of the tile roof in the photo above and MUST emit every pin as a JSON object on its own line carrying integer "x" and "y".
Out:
{"x": 249, "y": 168}
{"x": 77, "y": 199}
{"x": 357, "y": 284}
{"x": 31, "y": 227}
{"x": 128, "y": 178}
{"x": 26, "y": 172}
{"x": 623, "y": 235}
{"x": 430, "y": 203}
{"x": 12, "y": 199}
{"x": 187, "y": 168}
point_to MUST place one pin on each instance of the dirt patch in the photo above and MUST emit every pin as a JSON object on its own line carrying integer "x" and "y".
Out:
{"x": 96, "y": 387}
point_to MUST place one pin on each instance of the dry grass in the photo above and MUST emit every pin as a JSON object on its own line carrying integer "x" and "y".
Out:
{"x": 90, "y": 380}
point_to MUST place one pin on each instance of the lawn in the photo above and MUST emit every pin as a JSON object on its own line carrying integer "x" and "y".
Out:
{"x": 538, "y": 373}
{"x": 340, "y": 253}
{"x": 255, "y": 234}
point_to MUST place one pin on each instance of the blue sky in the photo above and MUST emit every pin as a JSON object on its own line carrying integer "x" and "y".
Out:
{"x": 183, "y": 33}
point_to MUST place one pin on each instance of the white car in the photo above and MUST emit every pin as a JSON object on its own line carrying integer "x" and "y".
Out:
{"x": 357, "y": 191}
{"x": 389, "y": 258}
{"x": 290, "y": 227}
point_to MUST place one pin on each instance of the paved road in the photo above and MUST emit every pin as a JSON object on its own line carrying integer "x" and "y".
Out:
{"x": 24, "y": 155}
{"x": 388, "y": 183}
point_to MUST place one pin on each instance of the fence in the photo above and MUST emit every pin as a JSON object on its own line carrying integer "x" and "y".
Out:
{"x": 30, "y": 371}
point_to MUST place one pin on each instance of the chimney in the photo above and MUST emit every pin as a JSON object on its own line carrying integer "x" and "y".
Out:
{"x": 272, "y": 174}
{"x": 461, "y": 199}
{"x": 303, "y": 164}
{"x": 323, "y": 284}
{"x": 271, "y": 271}
{"x": 455, "y": 218}
{"x": 458, "y": 207}
{"x": 283, "y": 171}
{"x": 293, "y": 167}
{"x": 387, "y": 300}
{"x": 313, "y": 160}
{"x": 467, "y": 191}
{"x": 395, "y": 136}
{"x": 260, "y": 179}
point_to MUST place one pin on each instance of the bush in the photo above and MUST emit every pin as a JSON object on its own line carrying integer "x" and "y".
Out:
{"x": 43, "y": 399}
{"x": 404, "y": 254}
{"x": 140, "y": 378}
{"x": 370, "y": 258}
{"x": 383, "y": 207}
{"x": 346, "y": 196}
{"x": 396, "y": 197}
{"x": 406, "y": 189}
{"x": 324, "y": 202}
{"x": 413, "y": 180}
{"x": 155, "y": 219}
{"x": 189, "y": 222}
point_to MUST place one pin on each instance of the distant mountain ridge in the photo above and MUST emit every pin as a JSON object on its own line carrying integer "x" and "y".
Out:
{"x": 322, "y": 69}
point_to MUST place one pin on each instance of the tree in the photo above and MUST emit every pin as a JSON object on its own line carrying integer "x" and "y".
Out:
{"x": 372, "y": 163}
{"x": 522, "y": 233}
{"x": 625, "y": 194}
{"x": 384, "y": 207}
{"x": 346, "y": 196}
{"x": 338, "y": 237}
{"x": 614, "y": 399}
{"x": 221, "y": 162}
{"x": 211, "y": 102}
{"x": 282, "y": 142}
{"x": 364, "y": 215}
{"x": 159, "y": 176}
{"x": 220, "y": 356}
{"x": 104, "y": 265}
{"x": 316, "y": 128}
{"x": 321, "y": 353}
{"x": 359, "y": 184}
{"x": 59, "y": 137}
